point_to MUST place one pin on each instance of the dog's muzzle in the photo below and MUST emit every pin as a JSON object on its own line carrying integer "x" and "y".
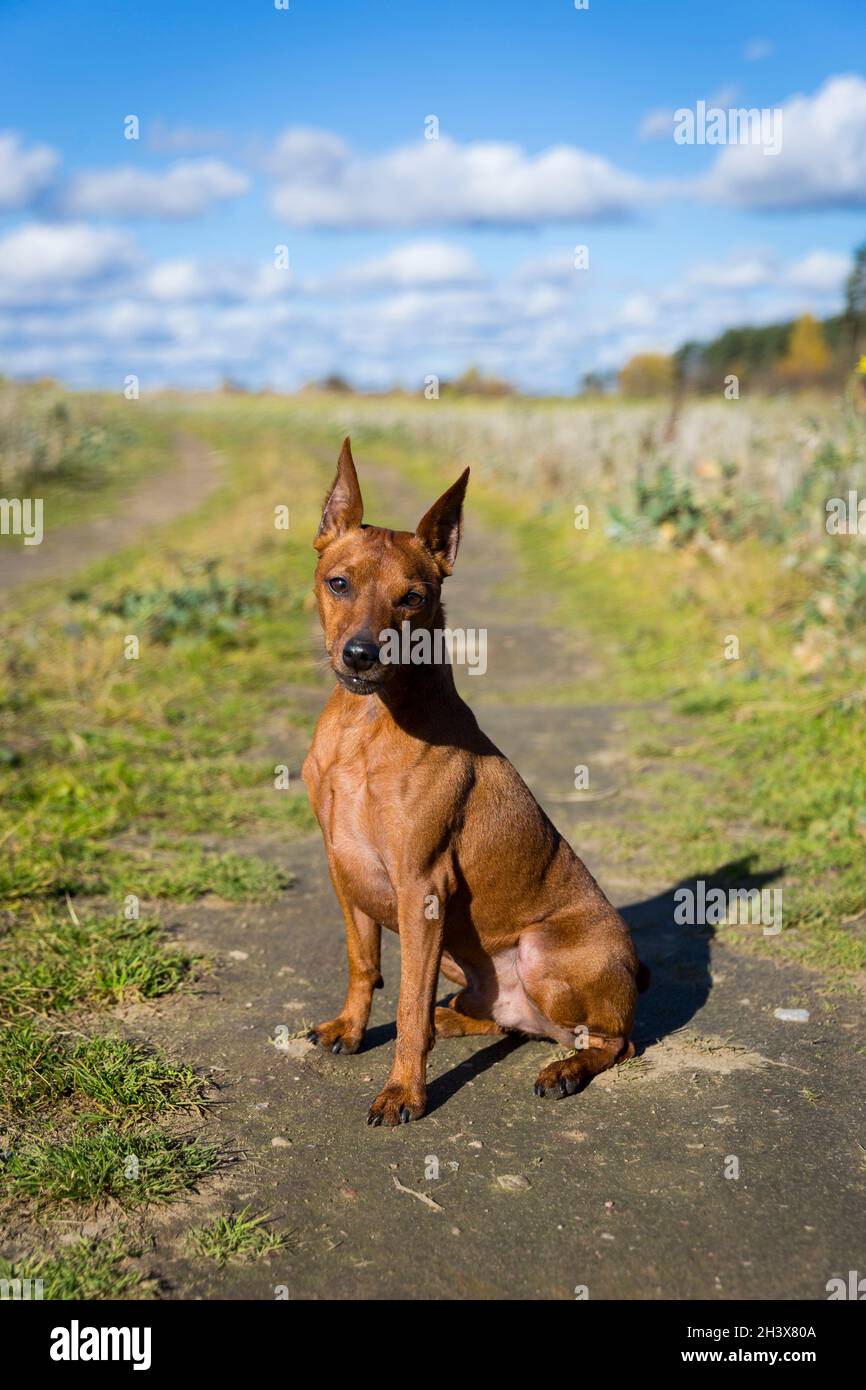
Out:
{"x": 362, "y": 671}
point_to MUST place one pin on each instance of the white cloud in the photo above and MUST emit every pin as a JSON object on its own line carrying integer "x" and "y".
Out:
{"x": 24, "y": 173}
{"x": 741, "y": 279}
{"x": 819, "y": 272}
{"x": 706, "y": 298}
{"x": 304, "y": 152}
{"x": 822, "y": 162}
{"x": 743, "y": 272}
{"x": 85, "y": 303}
{"x": 414, "y": 263}
{"x": 58, "y": 259}
{"x": 638, "y": 311}
{"x": 439, "y": 182}
{"x": 187, "y": 281}
{"x": 181, "y": 281}
{"x": 187, "y": 188}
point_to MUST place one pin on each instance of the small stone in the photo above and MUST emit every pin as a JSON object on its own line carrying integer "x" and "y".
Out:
{"x": 239, "y": 955}
{"x": 278, "y": 1142}
{"x": 512, "y": 1182}
{"x": 792, "y": 1015}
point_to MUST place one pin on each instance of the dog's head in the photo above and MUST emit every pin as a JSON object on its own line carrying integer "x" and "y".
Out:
{"x": 369, "y": 581}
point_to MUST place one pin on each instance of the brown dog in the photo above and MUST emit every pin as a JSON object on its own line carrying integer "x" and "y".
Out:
{"x": 430, "y": 831}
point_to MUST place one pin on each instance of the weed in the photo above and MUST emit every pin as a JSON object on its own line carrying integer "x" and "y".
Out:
{"x": 238, "y": 1237}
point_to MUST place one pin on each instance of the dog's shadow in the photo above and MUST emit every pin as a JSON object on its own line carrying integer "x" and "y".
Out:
{"x": 679, "y": 960}
{"x": 678, "y": 955}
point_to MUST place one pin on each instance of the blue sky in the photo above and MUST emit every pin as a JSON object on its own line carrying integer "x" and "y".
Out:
{"x": 305, "y": 127}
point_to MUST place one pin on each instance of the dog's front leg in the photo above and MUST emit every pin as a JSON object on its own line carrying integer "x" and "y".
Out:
{"x": 404, "y": 1095}
{"x": 345, "y": 1033}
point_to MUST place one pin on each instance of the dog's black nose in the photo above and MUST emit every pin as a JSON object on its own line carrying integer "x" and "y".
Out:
{"x": 360, "y": 653}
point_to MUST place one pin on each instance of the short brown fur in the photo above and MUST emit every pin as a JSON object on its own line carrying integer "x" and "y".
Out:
{"x": 430, "y": 832}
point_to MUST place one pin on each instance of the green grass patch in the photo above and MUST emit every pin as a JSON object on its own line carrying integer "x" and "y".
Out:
{"x": 111, "y": 1076}
{"x": 208, "y": 606}
{"x": 94, "y": 1164}
{"x": 77, "y": 450}
{"x": 183, "y": 740}
{"x": 50, "y": 963}
{"x": 236, "y": 877}
{"x": 238, "y": 1237}
{"x": 785, "y": 786}
{"x": 87, "y": 1270}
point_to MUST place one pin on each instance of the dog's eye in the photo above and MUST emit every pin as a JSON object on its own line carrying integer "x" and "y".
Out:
{"x": 338, "y": 585}
{"x": 412, "y": 600}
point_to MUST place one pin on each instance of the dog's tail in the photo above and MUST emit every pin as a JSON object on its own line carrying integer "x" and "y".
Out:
{"x": 642, "y": 978}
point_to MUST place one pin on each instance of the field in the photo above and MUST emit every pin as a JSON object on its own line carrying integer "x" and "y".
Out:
{"x": 666, "y": 608}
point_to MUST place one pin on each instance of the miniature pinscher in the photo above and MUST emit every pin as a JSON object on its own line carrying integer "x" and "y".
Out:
{"x": 431, "y": 832}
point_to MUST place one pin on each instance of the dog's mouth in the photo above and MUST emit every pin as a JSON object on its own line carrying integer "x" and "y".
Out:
{"x": 360, "y": 683}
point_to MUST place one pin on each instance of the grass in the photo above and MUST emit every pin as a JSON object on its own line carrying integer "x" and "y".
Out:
{"x": 86, "y": 1270}
{"x": 236, "y": 877}
{"x": 755, "y": 759}
{"x": 75, "y": 451}
{"x": 124, "y": 783}
{"x": 238, "y": 1237}
{"x": 50, "y": 963}
{"x": 110, "y": 1076}
{"x": 96, "y": 748}
{"x": 99, "y": 1163}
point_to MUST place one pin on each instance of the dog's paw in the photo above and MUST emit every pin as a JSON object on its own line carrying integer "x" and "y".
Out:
{"x": 337, "y": 1035}
{"x": 449, "y": 1023}
{"x": 397, "y": 1105}
{"x": 561, "y": 1078}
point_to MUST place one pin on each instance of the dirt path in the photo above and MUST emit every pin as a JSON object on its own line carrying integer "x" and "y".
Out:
{"x": 622, "y": 1189}
{"x": 158, "y": 500}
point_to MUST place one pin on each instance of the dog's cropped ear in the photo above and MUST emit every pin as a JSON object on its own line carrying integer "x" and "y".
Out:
{"x": 344, "y": 507}
{"x": 439, "y": 529}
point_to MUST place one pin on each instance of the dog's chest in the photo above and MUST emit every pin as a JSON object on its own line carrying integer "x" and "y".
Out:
{"x": 362, "y": 828}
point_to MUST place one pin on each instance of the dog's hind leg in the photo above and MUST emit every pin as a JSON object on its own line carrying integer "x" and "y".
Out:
{"x": 570, "y": 1074}
{"x": 587, "y": 995}
{"x": 452, "y": 971}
